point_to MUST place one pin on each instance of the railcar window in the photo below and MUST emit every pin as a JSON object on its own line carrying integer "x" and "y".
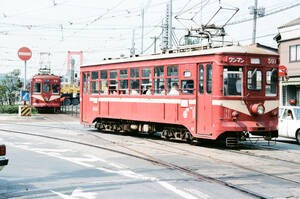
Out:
{"x": 159, "y": 71}
{"x": 103, "y": 74}
{"x": 201, "y": 79}
{"x": 104, "y": 87}
{"x": 46, "y": 87}
{"x": 146, "y": 86}
{"x": 271, "y": 82}
{"x": 134, "y": 73}
{"x": 134, "y": 87}
{"x": 173, "y": 86}
{"x": 146, "y": 72}
{"x": 95, "y": 75}
{"x": 172, "y": 71}
{"x": 123, "y": 90}
{"x": 88, "y": 83}
{"x": 187, "y": 86}
{"x": 113, "y": 87}
{"x": 208, "y": 78}
{"x": 84, "y": 82}
{"x": 232, "y": 83}
{"x": 124, "y": 73}
{"x": 159, "y": 86}
{"x": 95, "y": 87}
{"x": 37, "y": 88}
{"x": 113, "y": 74}
{"x": 254, "y": 79}
{"x": 55, "y": 89}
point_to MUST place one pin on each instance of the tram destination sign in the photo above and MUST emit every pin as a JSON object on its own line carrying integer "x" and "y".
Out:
{"x": 24, "y": 53}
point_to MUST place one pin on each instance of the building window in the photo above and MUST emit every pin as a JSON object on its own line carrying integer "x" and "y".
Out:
{"x": 295, "y": 53}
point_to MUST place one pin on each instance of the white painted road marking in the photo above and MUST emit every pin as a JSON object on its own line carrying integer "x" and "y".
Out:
{"x": 90, "y": 158}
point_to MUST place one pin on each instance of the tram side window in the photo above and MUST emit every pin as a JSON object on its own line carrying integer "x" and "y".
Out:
{"x": 159, "y": 71}
{"x": 88, "y": 83}
{"x": 103, "y": 74}
{"x": 159, "y": 86}
{"x": 146, "y": 82}
{"x": 208, "y": 78}
{"x": 55, "y": 89}
{"x": 172, "y": 86}
{"x": 95, "y": 75}
{"x": 123, "y": 87}
{"x": 84, "y": 82}
{"x": 187, "y": 86}
{"x": 113, "y": 84}
{"x": 232, "y": 82}
{"x": 254, "y": 79}
{"x": 95, "y": 87}
{"x": 134, "y": 87}
{"x": 95, "y": 82}
{"x": 271, "y": 83}
{"x": 103, "y": 83}
{"x": 172, "y": 80}
{"x": 159, "y": 81}
{"x": 201, "y": 79}
{"x": 37, "y": 88}
{"x": 134, "y": 73}
{"x": 172, "y": 71}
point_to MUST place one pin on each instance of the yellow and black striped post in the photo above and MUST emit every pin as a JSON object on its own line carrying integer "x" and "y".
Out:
{"x": 25, "y": 111}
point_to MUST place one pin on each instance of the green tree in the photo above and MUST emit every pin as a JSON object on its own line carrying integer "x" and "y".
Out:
{"x": 10, "y": 88}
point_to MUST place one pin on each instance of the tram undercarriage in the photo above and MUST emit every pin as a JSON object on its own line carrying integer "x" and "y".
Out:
{"x": 177, "y": 132}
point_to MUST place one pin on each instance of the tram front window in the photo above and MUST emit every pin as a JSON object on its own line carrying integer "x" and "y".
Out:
{"x": 232, "y": 83}
{"x": 46, "y": 88}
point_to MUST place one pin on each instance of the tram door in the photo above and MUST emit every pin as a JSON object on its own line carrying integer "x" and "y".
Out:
{"x": 204, "y": 98}
{"x": 84, "y": 102}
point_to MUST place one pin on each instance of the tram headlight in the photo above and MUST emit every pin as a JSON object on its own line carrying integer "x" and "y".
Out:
{"x": 258, "y": 109}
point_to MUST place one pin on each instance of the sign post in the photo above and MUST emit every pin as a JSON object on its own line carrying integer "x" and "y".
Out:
{"x": 24, "y": 54}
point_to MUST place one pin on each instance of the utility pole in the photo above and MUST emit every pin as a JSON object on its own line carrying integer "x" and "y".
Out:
{"x": 155, "y": 40}
{"x": 256, "y": 12}
{"x": 142, "y": 40}
{"x": 132, "y": 49}
{"x": 254, "y": 22}
{"x": 170, "y": 29}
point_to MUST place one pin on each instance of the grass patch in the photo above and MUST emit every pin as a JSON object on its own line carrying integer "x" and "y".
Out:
{"x": 14, "y": 109}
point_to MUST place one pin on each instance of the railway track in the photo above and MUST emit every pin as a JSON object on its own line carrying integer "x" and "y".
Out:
{"x": 153, "y": 139}
{"x": 170, "y": 148}
{"x": 150, "y": 159}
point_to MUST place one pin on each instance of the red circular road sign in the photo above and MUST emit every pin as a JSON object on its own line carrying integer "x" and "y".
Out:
{"x": 282, "y": 71}
{"x": 24, "y": 53}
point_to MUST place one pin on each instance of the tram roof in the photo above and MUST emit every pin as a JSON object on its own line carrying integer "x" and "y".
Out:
{"x": 251, "y": 49}
{"x": 45, "y": 76}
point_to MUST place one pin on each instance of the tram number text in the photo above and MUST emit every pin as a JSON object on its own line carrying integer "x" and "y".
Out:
{"x": 271, "y": 61}
{"x": 238, "y": 60}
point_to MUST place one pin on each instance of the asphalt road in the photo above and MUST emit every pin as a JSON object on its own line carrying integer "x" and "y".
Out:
{"x": 45, "y": 168}
{"x": 40, "y": 167}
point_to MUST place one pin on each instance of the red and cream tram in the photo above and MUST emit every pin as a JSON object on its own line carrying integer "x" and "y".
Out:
{"x": 223, "y": 93}
{"x": 45, "y": 92}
